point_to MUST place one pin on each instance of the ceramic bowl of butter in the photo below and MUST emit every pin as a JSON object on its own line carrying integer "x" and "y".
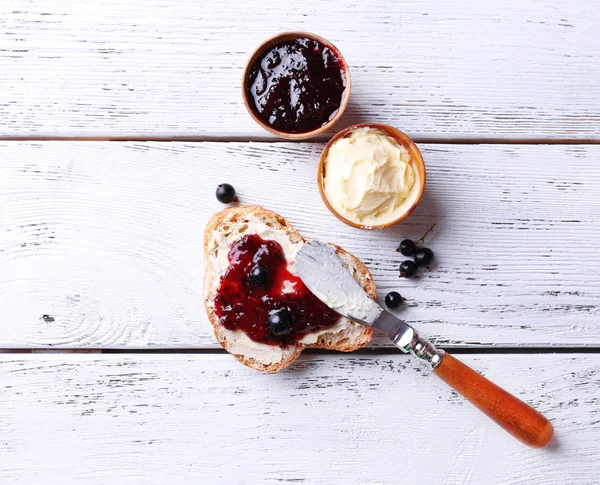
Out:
{"x": 371, "y": 176}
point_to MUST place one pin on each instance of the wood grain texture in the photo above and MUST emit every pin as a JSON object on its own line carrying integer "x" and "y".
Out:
{"x": 100, "y": 243}
{"x": 437, "y": 70}
{"x": 155, "y": 419}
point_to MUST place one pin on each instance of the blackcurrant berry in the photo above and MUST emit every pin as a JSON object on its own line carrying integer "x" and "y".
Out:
{"x": 423, "y": 257}
{"x": 393, "y": 300}
{"x": 408, "y": 269}
{"x": 259, "y": 275}
{"x": 280, "y": 323}
{"x": 225, "y": 193}
{"x": 407, "y": 247}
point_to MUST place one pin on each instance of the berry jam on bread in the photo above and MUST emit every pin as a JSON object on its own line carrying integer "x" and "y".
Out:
{"x": 260, "y": 310}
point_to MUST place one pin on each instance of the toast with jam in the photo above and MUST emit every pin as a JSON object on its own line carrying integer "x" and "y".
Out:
{"x": 260, "y": 310}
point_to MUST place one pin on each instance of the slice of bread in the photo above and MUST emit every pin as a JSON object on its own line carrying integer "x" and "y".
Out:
{"x": 230, "y": 225}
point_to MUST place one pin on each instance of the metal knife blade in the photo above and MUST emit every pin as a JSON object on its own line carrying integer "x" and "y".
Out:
{"x": 330, "y": 281}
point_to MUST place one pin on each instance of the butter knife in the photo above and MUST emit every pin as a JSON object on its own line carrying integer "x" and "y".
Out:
{"x": 328, "y": 279}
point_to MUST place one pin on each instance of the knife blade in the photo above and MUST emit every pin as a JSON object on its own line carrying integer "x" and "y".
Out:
{"x": 324, "y": 274}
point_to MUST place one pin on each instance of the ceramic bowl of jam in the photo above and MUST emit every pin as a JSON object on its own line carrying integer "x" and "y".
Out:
{"x": 296, "y": 85}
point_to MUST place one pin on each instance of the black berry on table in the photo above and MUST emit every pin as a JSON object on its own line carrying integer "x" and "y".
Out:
{"x": 423, "y": 257}
{"x": 393, "y": 300}
{"x": 407, "y": 247}
{"x": 280, "y": 323}
{"x": 408, "y": 269}
{"x": 225, "y": 193}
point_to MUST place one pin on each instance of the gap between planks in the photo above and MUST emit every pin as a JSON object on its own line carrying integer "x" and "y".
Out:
{"x": 319, "y": 139}
{"x": 310, "y": 351}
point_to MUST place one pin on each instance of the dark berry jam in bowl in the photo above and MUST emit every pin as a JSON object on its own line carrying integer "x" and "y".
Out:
{"x": 296, "y": 85}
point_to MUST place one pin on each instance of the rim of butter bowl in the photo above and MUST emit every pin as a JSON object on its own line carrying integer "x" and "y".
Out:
{"x": 273, "y": 41}
{"x": 404, "y": 140}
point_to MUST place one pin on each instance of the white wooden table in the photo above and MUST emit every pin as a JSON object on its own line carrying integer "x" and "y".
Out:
{"x": 110, "y": 373}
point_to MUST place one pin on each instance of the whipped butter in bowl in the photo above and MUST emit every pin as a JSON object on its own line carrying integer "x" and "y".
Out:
{"x": 371, "y": 176}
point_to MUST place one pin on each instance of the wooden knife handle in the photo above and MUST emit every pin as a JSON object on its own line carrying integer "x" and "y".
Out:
{"x": 516, "y": 417}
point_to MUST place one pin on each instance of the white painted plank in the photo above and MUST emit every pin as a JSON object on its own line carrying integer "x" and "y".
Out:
{"x": 438, "y": 70}
{"x": 155, "y": 419}
{"x": 105, "y": 240}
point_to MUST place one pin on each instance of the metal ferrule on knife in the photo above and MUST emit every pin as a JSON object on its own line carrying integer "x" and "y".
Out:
{"x": 408, "y": 339}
